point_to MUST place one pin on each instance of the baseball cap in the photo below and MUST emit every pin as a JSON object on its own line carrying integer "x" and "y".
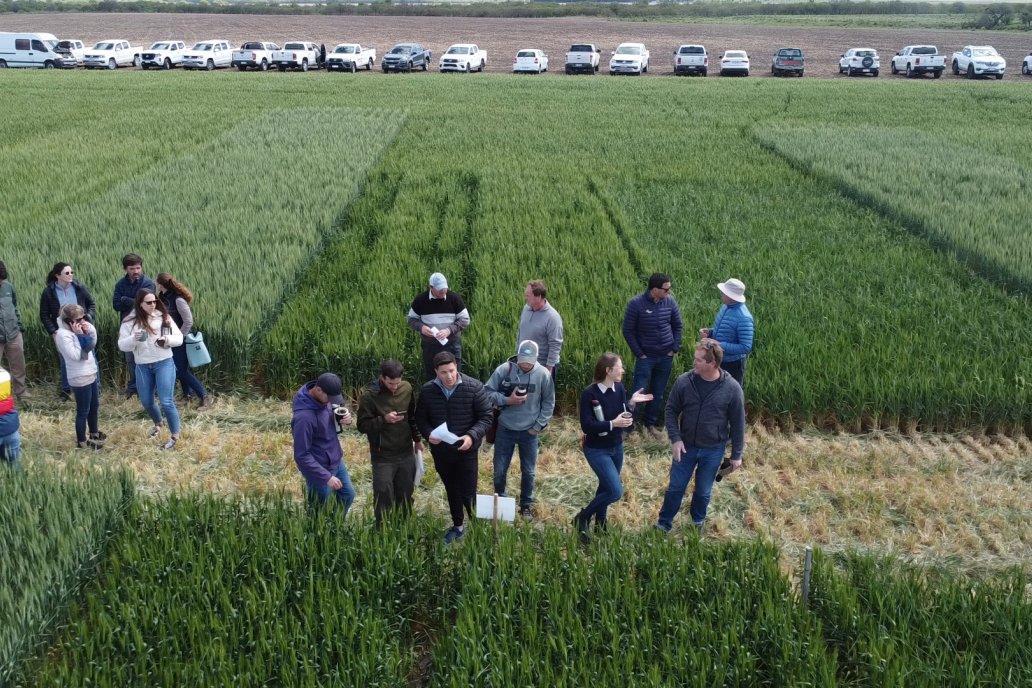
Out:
{"x": 438, "y": 281}
{"x": 527, "y": 352}
{"x": 332, "y": 386}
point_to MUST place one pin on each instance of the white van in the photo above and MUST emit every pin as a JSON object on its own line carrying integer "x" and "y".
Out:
{"x": 31, "y": 50}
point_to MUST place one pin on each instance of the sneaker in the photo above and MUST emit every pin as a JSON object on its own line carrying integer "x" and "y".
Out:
{"x": 206, "y": 402}
{"x": 129, "y": 394}
{"x": 154, "y": 431}
{"x": 454, "y": 534}
{"x": 526, "y": 512}
{"x": 170, "y": 444}
{"x": 24, "y": 395}
{"x": 660, "y": 530}
{"x": 89, "y": 444}
{"x": 65, "y": 395}
{"x": 99, "y": 436}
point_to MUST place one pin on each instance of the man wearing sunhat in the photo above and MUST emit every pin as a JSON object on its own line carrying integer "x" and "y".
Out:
{"x": 439, "y": 316}
{"x": 317, "y": 450}
{"x": 733, "y": 328}
{"x": 523, "y": 390}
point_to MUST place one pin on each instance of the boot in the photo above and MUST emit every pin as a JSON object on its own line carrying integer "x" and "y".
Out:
{"x": 580, "y": 522}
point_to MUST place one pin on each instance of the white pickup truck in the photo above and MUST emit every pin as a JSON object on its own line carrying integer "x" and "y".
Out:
{"x": 583, "y": 57}
{"x": 254, "y": 55}
{"x": 629, "y": 58}
{"x": 979, "y": 60}
{"x": 111, "y": 54}
{"x": 72, "y": 48}
{"x": 691, "y": 59}
{"x": 463, "y": 57}
{"x": 349, "y": 57}
{"x": 915, "y": 60}
{"x": 303, "y": 55}
{"x": 163, "y": 55}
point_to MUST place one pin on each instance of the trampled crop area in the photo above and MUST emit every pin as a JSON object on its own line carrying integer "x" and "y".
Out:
{"x": 307, "y": 212}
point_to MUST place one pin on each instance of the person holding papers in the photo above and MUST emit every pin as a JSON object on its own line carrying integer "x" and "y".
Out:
{"x": 454, "y": 413}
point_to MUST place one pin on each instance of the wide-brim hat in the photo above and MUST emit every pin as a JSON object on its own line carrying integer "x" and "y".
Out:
{"x": 733, "y": 289}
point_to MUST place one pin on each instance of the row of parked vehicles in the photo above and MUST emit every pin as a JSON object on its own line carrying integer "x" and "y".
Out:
{"x": 45, "y": 50}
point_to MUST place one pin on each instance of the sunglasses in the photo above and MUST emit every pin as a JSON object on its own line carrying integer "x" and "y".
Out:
{"x": 79, "y": 320}
{"x": 149, "y": 303}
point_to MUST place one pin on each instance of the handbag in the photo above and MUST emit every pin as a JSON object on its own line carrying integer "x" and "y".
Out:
{"x": 196, "y": 351}
{"x": 492, "y": 431}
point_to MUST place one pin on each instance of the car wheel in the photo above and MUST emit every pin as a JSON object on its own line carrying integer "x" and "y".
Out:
{"x": 209, "y": 65}
{"x": 999, "y": 76}
{"x": 971, "y": 71}
{"x": 111, "y": 64}
{"x": 467, "y": 68}
{"x": 242, "y": 68}
{"x": 136, "y": 61}
{"x": 281, "y": 68}
{"x": 956, "y": 68}
{"x": 937, "y": 73}
{"x": 48, "y": 65}
{"x": 481, "y": 66}
{"x": 874, "y": 73}
{"x": 426, "y": 65}
{"x": 746, "y": 73}
{"x": 1024, "y": 69}
{"x": 3, "y": 64}
{"x": 369, "y": 66}
{"x": 354, "y": 67}
{"x": 910, "y": 72}
{"x": 849, "y": 71}
{"x": 892, "y": 68}
{"x": 612, "y": 73}
{"x": 145, "y": 67}
{"x": 569, "y": 71}
{"x": 384, "y": 69}
{"x": 304, "y": 64}
{"x": 167, "y": 64}
{"x": 264, "y": 66}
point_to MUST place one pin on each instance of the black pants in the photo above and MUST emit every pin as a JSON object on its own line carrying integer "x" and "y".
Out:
{"x": 736, "y": 369}
{"x": 459, "y": 474}
{"x": 393, "y": 482}
{"x": 432, "y": 348}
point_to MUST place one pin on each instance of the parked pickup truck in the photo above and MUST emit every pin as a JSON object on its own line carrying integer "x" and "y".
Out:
{"x": 979, "y": 60}
{"x": 111, "y": 54}
{"x": 303, "y": 55}
{"x": 404, "y": 57}
{"x": 254, "y": 55}
{"x": 915, "y": 60}
{"x": 163, "y": 54}
{"x": 463, "y": 57}
{"x": 629, "y": 58}
{"x": 583, "y": 57}
{"x": 691, "y": 59}
{"x": 73, "y": 49}
{"x": 349, "y": 57}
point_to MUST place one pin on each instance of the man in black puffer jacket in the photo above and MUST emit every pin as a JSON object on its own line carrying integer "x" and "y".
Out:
{"x": 461, "y": 403}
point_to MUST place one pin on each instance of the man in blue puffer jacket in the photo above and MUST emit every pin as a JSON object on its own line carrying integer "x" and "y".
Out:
{"x": 733, "y": 328}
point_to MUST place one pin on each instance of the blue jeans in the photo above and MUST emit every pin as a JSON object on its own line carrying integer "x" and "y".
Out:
{"x": 87, "y": 405}
{"x": 736, "y": 369}
{"x": 65, "y": 387}
{"x": 704, "y": 463}
{"x": 158, "y": 377}
{"x": 506, "y": 442}
{"x": 319, "y": 494}
{"x": 607, "y": 464}
{"x": 652, "y": 374}
{"x": 10, "y": 449}
{"x": 191, "y": 385}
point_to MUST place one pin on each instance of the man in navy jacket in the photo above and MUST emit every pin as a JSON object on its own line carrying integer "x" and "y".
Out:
{"x": 317, "y": 450}
{"x": 125, "y": 296}
{"x": 652, "y": 327}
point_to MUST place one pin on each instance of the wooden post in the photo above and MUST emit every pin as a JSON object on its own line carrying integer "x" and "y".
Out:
{"x": 494, "y": 517}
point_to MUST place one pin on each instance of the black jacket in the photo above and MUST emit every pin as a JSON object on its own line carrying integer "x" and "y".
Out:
{"x": 467, "y": 412}
{"x": 50, "y": 307}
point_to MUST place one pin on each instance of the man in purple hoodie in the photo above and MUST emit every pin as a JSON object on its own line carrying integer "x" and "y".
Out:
{"x": 317, "y": 451}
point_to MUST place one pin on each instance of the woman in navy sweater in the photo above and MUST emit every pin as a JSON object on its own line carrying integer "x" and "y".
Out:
{"x": 605, "y": 413}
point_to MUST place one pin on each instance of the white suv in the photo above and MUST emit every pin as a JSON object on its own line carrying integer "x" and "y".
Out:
{"x": 629, "y": 58}
{"x": 208, "y": 55}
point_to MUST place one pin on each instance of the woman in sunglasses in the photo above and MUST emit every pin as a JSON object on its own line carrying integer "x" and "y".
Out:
{"x": 75, "y": 339}
{"x": 150, "y": 333}
{"x": 62, "y": 289}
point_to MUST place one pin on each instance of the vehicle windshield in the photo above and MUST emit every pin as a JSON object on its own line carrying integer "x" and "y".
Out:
{"x": 52, "y": 45}
{"x": 159, "y": 46}
{"x": 104, "y": 46}
{"x": 526, "y": 53}
{"x": 203, "y": 47}
{"x": 735, "y": 55}
{"x": 628, "y": 50}
{"x": 984, "y": 52}
{"x": 926, "y": 50}
{"x": 294, "y": 46}
{"x": 400, "y": 50}
{"x": 458, "y": 50}
{"x": 580, "y": 48}
{"x": 345, "y": 49}
{"x": 692, "y": 50}
{"x": 791, "y": 54}
{"x": 865, "y": 53}
{"x": 252, "y": 46}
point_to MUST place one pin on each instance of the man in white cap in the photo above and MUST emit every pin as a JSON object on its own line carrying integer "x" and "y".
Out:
{"x": 733, "y": 328}
{"x": 439, "y": 316}
{"x": 523, "y": 390}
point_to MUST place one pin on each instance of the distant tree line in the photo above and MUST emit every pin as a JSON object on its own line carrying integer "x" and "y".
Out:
{"x": 992, "y": 16}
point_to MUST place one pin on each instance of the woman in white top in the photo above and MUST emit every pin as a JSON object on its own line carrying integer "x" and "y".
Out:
{"x": 75, "y": 339}
{"x": 150, "y": 333}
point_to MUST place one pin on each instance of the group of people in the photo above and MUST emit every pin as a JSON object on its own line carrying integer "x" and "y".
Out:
{"x": 455, "y": 413}
{"x": 154, "y": 317}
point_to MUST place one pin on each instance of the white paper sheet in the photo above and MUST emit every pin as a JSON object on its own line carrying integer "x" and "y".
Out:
{"x": 506, "y": 507}
{"x": 441, "y": 432}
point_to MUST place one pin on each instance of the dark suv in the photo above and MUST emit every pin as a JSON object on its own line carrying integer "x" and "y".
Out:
{"x": 788, "y": 61}
{"x": 404, "y": 57}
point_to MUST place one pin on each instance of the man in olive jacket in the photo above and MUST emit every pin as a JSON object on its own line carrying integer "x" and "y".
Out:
{"x": 461, "y": 403}
{"x": 387, "y": 415}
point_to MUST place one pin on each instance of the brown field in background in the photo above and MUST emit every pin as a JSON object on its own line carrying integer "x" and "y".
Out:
{"x": 503, "y": 37}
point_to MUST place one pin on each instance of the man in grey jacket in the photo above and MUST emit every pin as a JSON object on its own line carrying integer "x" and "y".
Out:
{"x": 11, "y": 329}
{"x": 706, "y": 408}
{"x": 522, "y": 388}
{"x": 542, "y": 324}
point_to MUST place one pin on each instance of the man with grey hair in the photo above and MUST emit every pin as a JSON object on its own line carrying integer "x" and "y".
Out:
{"x": 523, "y": 391}
{"x": 542, "y": 324}
{"x": 439, "y": 316}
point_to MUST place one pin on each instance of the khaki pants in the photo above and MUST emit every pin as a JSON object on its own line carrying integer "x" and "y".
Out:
{"x": 13, "y": 351}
